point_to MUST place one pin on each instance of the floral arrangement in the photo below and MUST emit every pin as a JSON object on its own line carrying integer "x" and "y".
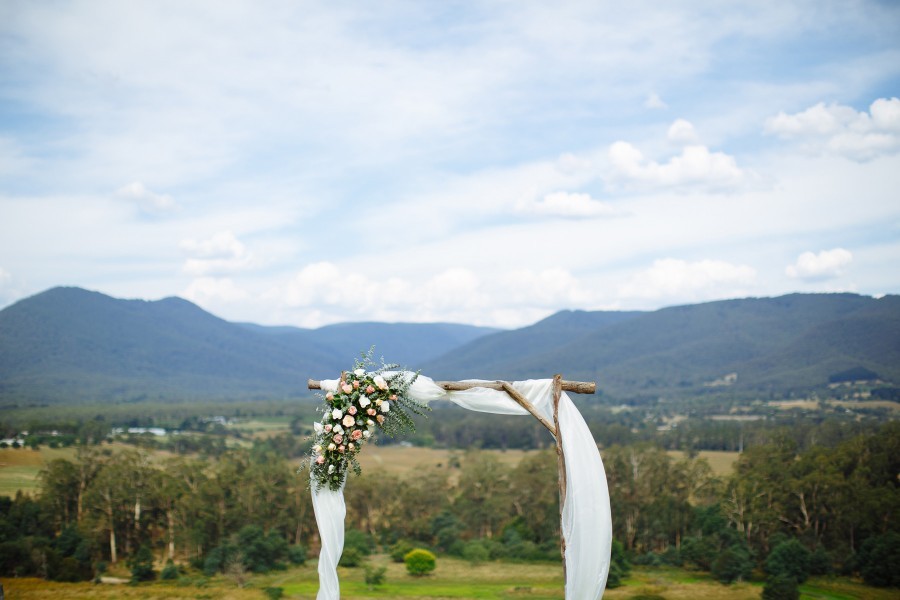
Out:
{"x": 364, "y": 402}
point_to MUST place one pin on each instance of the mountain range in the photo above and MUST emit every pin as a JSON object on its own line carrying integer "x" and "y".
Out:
{"x": 73, "y": 345}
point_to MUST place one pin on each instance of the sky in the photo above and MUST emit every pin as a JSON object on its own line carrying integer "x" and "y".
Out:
{"x": 305, "y": 163}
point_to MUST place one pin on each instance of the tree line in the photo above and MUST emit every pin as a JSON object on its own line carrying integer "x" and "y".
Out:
{"x": 839, "y": 502}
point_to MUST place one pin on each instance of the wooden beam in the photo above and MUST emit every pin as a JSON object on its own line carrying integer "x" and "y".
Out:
{"x": 561, "y": 466}
{"x": 578, "y": 387}
{"x": 524, "y": 403}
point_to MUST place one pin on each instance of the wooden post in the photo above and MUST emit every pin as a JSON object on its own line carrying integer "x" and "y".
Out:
{"x": 578, "y": 387}
{"x": 561, "y": 466}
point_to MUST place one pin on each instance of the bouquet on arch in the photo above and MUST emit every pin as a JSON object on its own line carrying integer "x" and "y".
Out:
{"x": 363, "y": 403}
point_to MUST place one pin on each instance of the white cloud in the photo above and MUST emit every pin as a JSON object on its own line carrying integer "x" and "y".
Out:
{"x": 827, "y": 264}
{"x": 695, "y": 167}
{"x": 548, "y": 288}
{"x": 211, "y": 291}
{"x": 654, "y": 101}
{"x": 220, "y": 254}
{"x": 565, "y": 204}
{"x": 841, "y": 130}
{"x": 682, "y": 132}
{"x": 148, "y": 201}
{"x": 675, "y": 279}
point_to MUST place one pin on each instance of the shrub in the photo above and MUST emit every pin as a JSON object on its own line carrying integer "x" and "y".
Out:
{"x": 619, "y": 567}
{"x": 819, "y": 562}
{"x": 169, "y": 572}
{"x": 400, "y": 549}
{"x": 733, "y": 564}
{"x": 780, "y": 587}
{"x": 359, "y": 541}
{"x": 699, "y": 552}
{"x": 790, "y": 559}
{"x": 142, "y": 565}
{"x": 297, "y": 555}
{"x": 273, "y": 593}
{"x": 350, "y": 558}
{"x": 375, "y": 576}
{"x": 879, "y": 560}
{"x": 475, "y": 552}
{"x": 420, "y": 562}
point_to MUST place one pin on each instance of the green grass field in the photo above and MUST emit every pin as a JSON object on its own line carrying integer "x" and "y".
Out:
{"x": 453, "y": 578}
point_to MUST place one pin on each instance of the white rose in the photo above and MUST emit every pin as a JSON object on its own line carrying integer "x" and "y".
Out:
{"x": 317, "y": 448}
{"x": 336, "y": 414}
{"x": 318, "y": 427}
{"x": 337, "y": 429}
{"x": 331, "y": 446}
{"x": 330, "y": 469}
{"x": 364, "y": 401}
{"x": 367, "y": 433}
{"x": 370, "y": 423}
{"x": 386, "y": 406}
{"x": 380, "y": 382}
{"x": 359, "y": 372}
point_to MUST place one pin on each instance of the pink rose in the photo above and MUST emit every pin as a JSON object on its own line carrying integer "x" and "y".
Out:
{"x": 357, "y": 433}
{"x": 327, "y": 428}
{"x": 348, "y": 421}
{"x": 329, "y": 396}
{"x": 370, "y": 389}
{"x": 352, "y": 410}
{"x": 380, "y": 419}
{"x": 355, "y": 384}
{"x": 341, "y": 449}
{"x": 347, "y": 388}
{"x": 371, "y": 412}
{"x": 320, "y": 460}
{"x": 338, "y": 438}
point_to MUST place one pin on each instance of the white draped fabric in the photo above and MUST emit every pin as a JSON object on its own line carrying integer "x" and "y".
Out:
{"x": 586, "y": 520}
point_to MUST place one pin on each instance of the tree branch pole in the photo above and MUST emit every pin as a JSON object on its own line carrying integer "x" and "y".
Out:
{"x": 561, "y": 467}
{"x": 577, "y": 387}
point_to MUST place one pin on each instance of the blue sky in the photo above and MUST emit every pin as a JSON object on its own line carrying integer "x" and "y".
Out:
{"x": 306, "y": 163}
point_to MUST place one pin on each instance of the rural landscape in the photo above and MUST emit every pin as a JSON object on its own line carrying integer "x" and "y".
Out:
{"x": 751, "y": 449}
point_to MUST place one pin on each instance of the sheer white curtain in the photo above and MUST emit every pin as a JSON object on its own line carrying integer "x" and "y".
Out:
{"x": 586, "y": 520}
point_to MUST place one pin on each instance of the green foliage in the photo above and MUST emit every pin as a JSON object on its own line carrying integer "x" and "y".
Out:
{"x": 781, "y": 587}
{"x": 273, "y": 593}
{"x": 297, "y": 555}
{"x": 169, "y": 572}
{"x": 375, "y": 576}
{"x": 879, "y": 560}
{"x": 734, "y": 564}
{"x": 420, "y": 562}
{"x": 789, "y": 559}
{"x": 699, "y": 552}
{"x": 351, "y": 557}
{"x": 400, "y": 549}
{"x": 359, "y": 541}
{"x": 619, "y": 566}
{"x": 142, "y": 565}
{"x": 475, "y": 552}
{"x": 820, "y": 562}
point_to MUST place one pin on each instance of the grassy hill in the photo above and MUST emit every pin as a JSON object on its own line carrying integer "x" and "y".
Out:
{"x": 775, "y": 345}
{"x": 69, "y": 344}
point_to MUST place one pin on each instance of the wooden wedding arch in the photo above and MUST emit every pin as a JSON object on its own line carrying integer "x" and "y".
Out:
{"x": 560, "y": 385}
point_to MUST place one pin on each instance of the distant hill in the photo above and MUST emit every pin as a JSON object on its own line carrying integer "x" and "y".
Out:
{"x": 69, "y": 344}
{"x": 72, "y": 345}
{"x": 773, "y": 345}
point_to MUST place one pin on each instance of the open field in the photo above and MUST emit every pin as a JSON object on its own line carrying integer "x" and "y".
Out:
{"x": 19, "y": 467}
{"x": 453, "y": 578}
{"x": 721, "y": 462}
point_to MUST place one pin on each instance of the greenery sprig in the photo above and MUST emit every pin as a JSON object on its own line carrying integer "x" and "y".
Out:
{"x": 364, "y": 402}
